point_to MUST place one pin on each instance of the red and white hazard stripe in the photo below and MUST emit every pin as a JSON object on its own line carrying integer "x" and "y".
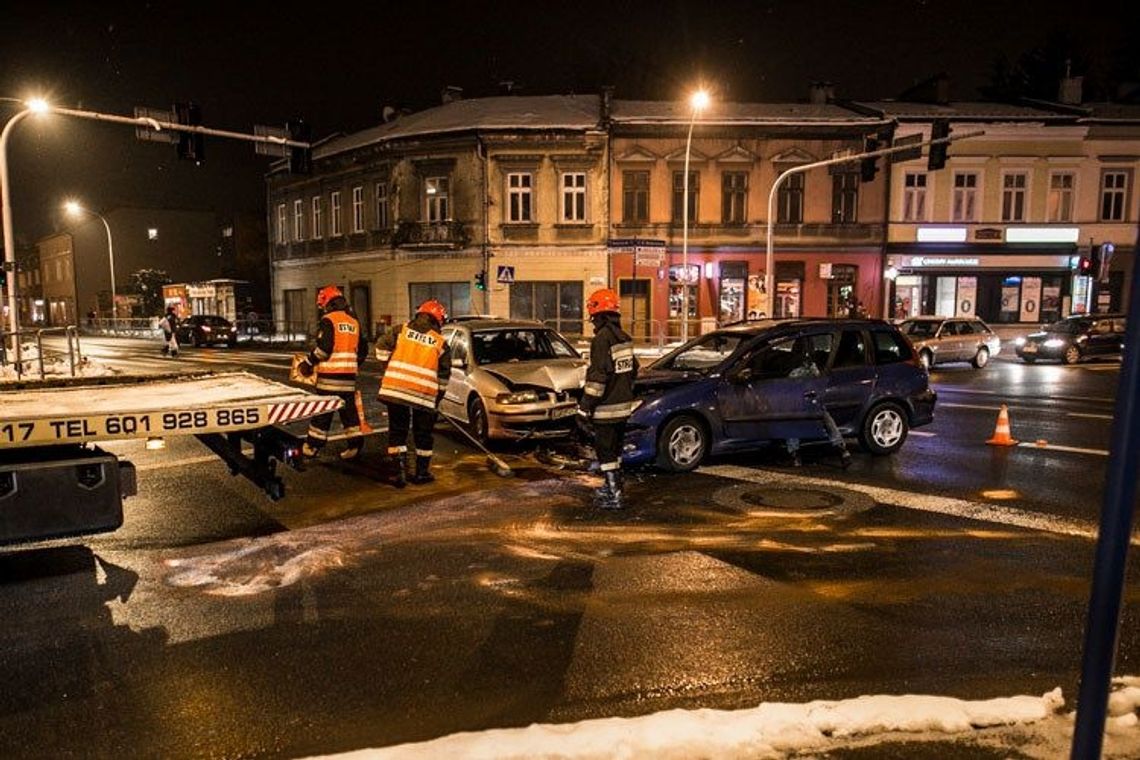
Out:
{"x": 297, "y": 410}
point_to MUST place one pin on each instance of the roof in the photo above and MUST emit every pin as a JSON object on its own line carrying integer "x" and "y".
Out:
{"x": 735, "y": 114}
{"x": 963, "y": 111}
{"x": 478, "y": 325}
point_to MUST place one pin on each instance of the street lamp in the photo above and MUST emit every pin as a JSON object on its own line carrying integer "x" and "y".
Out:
{"x": 74, "y": 209}
{"x": 698, "y": 101}
{"x": 35, "y": 105}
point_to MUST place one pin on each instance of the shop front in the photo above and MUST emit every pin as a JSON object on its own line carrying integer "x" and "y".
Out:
{"x": 1001, "y": 288}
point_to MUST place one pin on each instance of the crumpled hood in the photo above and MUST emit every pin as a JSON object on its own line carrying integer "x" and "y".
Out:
{"x": 556, "y": 374}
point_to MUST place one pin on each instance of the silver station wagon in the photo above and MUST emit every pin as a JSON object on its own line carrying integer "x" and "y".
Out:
{"x": 942, "y": 340}
{"x": 512, "y": 379}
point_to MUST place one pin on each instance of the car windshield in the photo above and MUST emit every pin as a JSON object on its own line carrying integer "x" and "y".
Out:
{"x": 215, "y": 321}
{"x": 702, "y": 354}
{"x": 1068, "y": 326}
{"x": 519, "y": 345}
{"x": 920, "y": 328}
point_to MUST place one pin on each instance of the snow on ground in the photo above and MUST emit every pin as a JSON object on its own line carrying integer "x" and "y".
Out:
{"x": 55, "y": 366}
{"x": 1034, "y": 725}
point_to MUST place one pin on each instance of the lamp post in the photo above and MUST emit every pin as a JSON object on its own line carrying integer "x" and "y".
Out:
{"x": 74, "y": 209}
{"x": 698, "y": 101}
{"x": 32, "y": 106}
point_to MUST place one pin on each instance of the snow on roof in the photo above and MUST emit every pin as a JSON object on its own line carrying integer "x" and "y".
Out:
{"x": 678, "y": 112}
{"x": 963, "y": 111}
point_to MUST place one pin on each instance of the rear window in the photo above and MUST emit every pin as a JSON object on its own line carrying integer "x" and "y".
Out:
{"x": 890, "y": 347}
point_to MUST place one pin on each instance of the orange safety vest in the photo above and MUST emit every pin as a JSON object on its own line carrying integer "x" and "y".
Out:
{"x": 412, "y": 376}
{"x": 341, "y": 364}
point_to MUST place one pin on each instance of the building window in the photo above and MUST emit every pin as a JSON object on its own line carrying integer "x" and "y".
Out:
{"x": 437, "y": 193}
{"x": 518, "y": 196}
{"x": 965, "y": 197}
{"x": 790, "y": 200}
{"x": 1059, "y": 207}
{"x": 574, "y": 197}
{"x": 679, "y": 196}
{"x": 334, "y": 214}
{"x": 1013, "y": 187}
{"x": 317, "y": 230}
{"x": 845, "y": 198}
{"x": 1113, "y": 186}
{"x": 734, "y": 198}
{"x": 635, "y": 197}
{"x": 357, "y": 209}
{"x": 455, "y": 296}
{"x": 555, "y": 304}
{"x": 298, "y": 220}
{"x": 914, "y": 197}
{"x": 381, "y": 206}
{"x": 282, "y": 229}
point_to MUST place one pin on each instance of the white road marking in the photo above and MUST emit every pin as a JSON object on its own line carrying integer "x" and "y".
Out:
{"x": 1058, "y": 447}
{"x": 167, "y": 464}
{"x": 1090, "y": 416}
{"x": 923, "y": 433}
{"x": 945, "y": 505}
{"x": 974, "y": 406}
{"x": 1098, "y": 399}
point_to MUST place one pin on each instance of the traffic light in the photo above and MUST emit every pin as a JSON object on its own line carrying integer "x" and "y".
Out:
{"x": 300, "y": 159}
{"x": 1084, "y": 266}
{"x": 869, "y": 167}
{"x": 480, "y": 280}
{"x": 191, "y": 145}
{"x": 939, "y": 129}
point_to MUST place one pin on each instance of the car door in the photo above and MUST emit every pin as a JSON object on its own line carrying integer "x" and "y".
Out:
{"x": 454, "y": 402}
{"x": 1102, "y": 340}
{"x": 953, "y": 340}
{"x": 769, "y": 394}
{"x": 850, "y": 377}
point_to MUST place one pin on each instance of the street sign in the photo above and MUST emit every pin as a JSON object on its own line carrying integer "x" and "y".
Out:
{"x": 155, "y": 134}
{"x": 271, "y": 148}
{"x": 648, "y": 257}
{"x": 506, "y": 275}
{"x": 913, "y": 154}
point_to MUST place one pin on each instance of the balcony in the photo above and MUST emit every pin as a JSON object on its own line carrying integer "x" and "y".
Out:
{"x": 429, "y": 235}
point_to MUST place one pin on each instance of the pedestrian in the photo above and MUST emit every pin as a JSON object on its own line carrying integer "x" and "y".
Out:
{"x": 169, "y": 325}
{"x": 808, "y": 368}
{"x": 340, "y": 349}
{"x": 416, "y": 365}
{"x": 607, "y": 399}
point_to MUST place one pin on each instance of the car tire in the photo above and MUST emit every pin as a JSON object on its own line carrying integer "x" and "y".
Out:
{"x": 477, "y": 419}
{"x": 1071, "y": 355}
{"x": 982, "y": 358}
{"x": 927, "y": 358}
{"x": 1029, "y": 359}
{"x": 682, "y": 443}
{"x": 884, "y": 429}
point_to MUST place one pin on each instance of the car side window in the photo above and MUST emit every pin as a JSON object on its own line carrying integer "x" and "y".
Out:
{"x": 1102, "y": 327}
{"x": 967, "y": 328}
{"x": 852, "y": 350}
{"x": 776, "y": 360}
{"x": 458, "y": 346}
{"x": 890, "y": 347}
{"x": 1119, "y": 325}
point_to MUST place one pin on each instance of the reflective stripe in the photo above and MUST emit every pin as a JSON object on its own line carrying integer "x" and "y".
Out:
{"x": 351, "y": 431}
{"x": 622, "y": 351}
{"x": 614, "y": 411}
{"x": 419, "y": 382}
{"x": 610, "y": 466}
{"x": 594, "y": 389}
{"x": 383, "y": 355}
{"x": 423, "y": 452}
{"x": 336, "y": 383}
{"x": 318, "y": 434}
{"x": 397, "y": 449}
{"x": 402, "y": 397}
{"x": 320, "y": 353}
{"x": 413, "y": 368}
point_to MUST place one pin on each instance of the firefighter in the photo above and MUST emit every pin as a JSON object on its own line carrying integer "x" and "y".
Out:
{"x": 339, "y": 351}
{"x": 607, "y": 399}
{"x": 416, "y": 365}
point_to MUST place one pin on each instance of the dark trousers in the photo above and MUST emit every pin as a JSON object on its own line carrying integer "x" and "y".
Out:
{"x": 608, "y": 437}
{"x": 420, "y": 420}
{"x": 349, "y": 418}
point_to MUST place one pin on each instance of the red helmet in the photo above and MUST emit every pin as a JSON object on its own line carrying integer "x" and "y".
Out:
{"x": 433, "y": 309}
{"x": 327, "y": 294}
{"x": 603, "y": 300}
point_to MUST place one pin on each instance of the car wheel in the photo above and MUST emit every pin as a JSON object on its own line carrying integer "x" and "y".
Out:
{"x": 477, "y": 419}
{"x": 982, "y": 358}
{"x": 884, "y": 428}
{"x": 927, "y": 358}
{"x": 1029, "y": 359}
{"x": 682, "y": 444}
{"x": 1072, "y": 355}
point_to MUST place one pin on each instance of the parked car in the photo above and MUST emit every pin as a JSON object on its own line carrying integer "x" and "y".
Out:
{"x": 942, "y": 340}
{"x": 1073, "y": 339}
{"x": 512, "y": 379}
{"x": 746, "y": 386}
{"x": 205, "y": 329}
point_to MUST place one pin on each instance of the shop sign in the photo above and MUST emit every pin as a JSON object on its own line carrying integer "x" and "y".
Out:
{"x": 1030, "y": 299}
{"x": 987, "y": 233}
{"x": 944, "y": 261}
{"x": 1017, "y": 262}
{"x": 967, "y": 297}
{"x": 201, "y": 291}
{"x": 825, "y": 271}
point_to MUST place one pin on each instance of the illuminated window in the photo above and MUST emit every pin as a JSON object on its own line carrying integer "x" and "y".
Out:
{"x": 437, "y": 196}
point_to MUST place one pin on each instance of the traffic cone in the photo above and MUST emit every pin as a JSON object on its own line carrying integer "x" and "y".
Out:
{"x": 364, "y": 426}
{"x": 1002, "y": 436}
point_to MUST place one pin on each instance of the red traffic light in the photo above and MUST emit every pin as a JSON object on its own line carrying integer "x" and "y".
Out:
{"x": 1084, "y": 266}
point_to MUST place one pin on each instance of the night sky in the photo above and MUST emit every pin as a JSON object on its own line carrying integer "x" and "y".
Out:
{"x": 337, "y": 64}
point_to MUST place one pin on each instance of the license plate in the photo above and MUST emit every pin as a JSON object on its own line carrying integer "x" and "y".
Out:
{"x": 557, "y": 414}
{"x": 1030, "y": 348}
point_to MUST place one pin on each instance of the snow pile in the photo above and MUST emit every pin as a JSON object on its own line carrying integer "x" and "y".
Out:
{"x": 55, "y": 365}
{"x": 771, "y": 730}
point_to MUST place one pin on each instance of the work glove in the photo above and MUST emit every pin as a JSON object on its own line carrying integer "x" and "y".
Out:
{"x": 305, "y": 368}
{"x": 584, "y": 425}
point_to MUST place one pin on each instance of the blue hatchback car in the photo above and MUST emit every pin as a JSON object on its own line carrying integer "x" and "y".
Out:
{"x": 751, "y": 384}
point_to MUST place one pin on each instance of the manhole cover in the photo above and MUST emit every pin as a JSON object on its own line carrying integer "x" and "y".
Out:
{"x": 776, "y": 501}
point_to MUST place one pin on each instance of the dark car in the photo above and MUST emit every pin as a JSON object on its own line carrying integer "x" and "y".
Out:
{"x": 1074, "y": 339}
{"x": 205, "y": 329}
{"x": 746, "y": 386}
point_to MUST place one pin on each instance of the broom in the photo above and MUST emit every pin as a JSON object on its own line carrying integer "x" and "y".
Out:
{"x": 496, "y": 465}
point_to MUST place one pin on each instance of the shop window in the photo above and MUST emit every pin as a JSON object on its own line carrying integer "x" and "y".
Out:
{"x": 841, "y": 298}
{"x": 908, "y": 296}
{"x": 1010, "y": 299}
{"x": 679, "y": 196}
{"x": 680, "y": 282}
{"x": 555, "y": 304}
{"x": 733, "y": 283}
{"x": 757, "y": 304}
{"x": 455, "y": 296}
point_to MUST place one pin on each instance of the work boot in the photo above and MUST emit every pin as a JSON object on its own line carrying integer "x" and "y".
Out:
{"x": 423, "y": 471}
{"x": 309, "y": 449}
{"x": 609, "y": 496}
{"x": 394, "y": 470}
{"x": 352, "y": 452}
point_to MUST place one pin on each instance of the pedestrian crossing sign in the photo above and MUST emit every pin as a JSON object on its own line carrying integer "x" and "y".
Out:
{"x": 506, "y": 275}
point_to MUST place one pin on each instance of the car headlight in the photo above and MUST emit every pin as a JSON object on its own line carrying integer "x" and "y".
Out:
{"x": 518, "y": 397}
{"x": 1019, "y": 341}
{"x": 1053, "y": 343}
{"x": 205, "y": 328}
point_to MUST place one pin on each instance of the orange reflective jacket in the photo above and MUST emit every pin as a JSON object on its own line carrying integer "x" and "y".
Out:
{"x": 336, "y": 369}
{"x": 413, "y": 372}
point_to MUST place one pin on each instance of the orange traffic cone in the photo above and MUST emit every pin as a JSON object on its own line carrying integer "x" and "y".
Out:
{"x": 1002, "y": 436}
{"x": 364, "y": 426}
